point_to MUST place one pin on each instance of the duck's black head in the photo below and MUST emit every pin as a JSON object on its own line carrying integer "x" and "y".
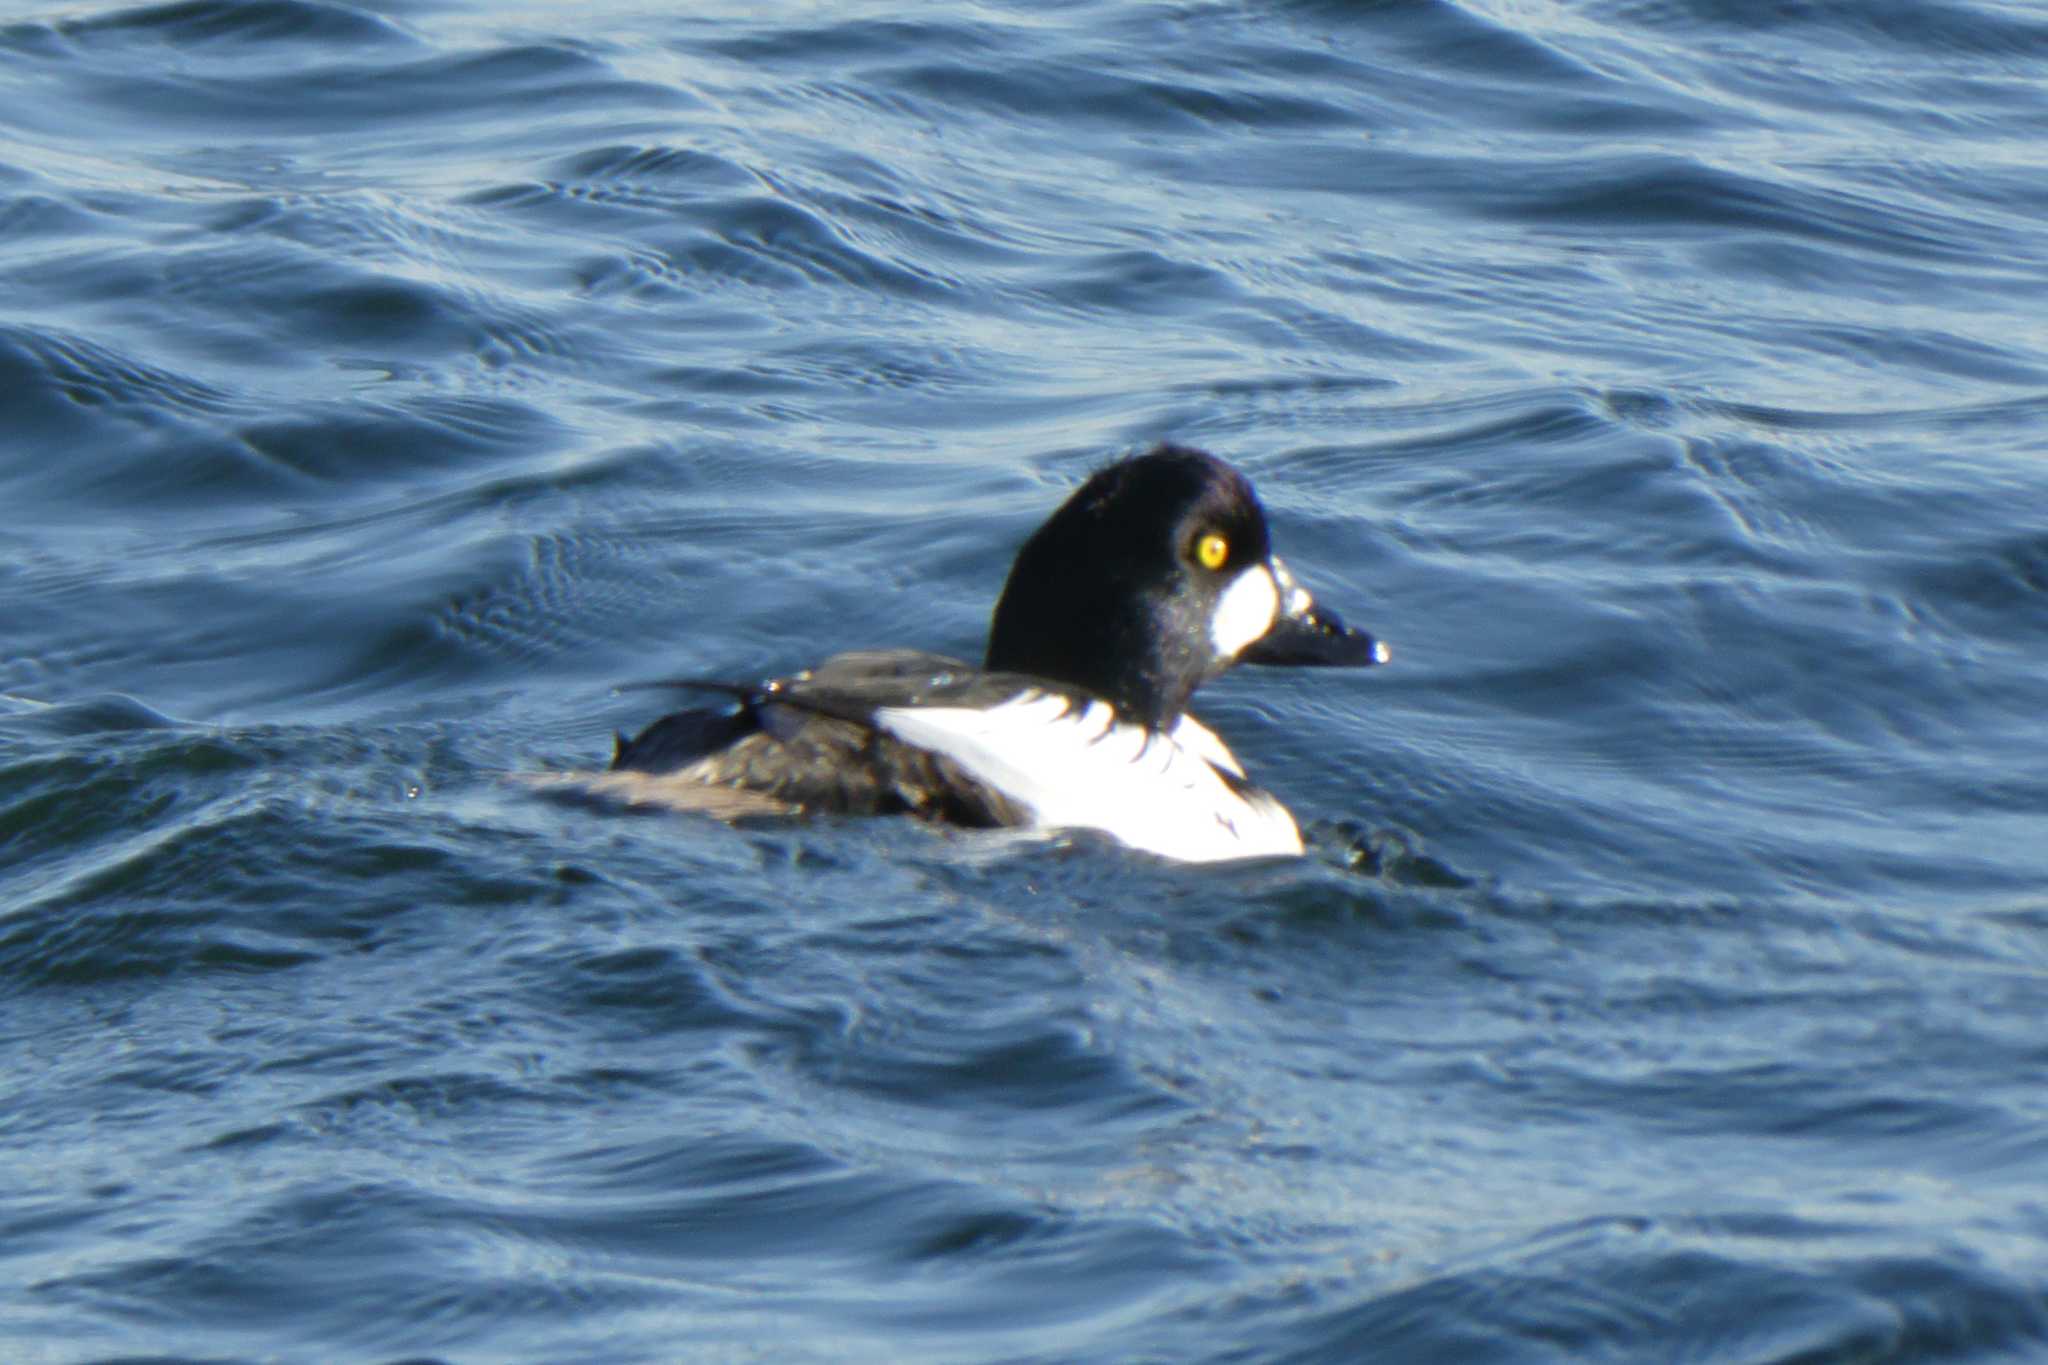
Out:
{"x": 1155, "y": 576}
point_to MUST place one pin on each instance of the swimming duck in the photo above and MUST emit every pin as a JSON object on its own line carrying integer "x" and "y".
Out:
{"x": 1155, "y": 576}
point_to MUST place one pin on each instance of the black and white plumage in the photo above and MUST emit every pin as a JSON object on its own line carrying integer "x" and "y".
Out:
{"x": 1154, "y": 577}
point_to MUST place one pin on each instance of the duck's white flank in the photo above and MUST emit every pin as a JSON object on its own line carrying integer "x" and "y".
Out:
{"x": 1080, "y": 768}
{"x": 1200, "y": 740}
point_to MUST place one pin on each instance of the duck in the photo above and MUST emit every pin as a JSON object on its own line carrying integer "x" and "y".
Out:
{"x": 1153, "y": 578}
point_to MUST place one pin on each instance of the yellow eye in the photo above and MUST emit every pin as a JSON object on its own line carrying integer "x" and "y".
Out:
{"x": 1211, "y": 550}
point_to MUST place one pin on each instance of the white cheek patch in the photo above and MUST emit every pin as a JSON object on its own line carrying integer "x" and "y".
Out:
{"x": 1245, "y": 611}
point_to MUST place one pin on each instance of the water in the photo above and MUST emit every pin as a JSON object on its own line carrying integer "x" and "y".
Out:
{"x": 383, "y": 384}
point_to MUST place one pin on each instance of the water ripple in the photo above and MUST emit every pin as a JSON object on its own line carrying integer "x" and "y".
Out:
{"x": 1663, "y": 379}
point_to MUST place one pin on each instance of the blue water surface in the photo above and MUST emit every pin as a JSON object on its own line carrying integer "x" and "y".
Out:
{"x": 383, "y": 383}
